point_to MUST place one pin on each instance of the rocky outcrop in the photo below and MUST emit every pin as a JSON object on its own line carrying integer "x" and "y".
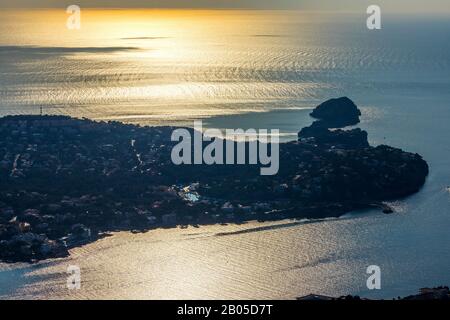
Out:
{"x": 337, "y": 113}
{"x": 342, "y": 139}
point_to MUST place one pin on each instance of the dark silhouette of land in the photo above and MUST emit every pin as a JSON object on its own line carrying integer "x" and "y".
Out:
{"x": 441, "y": 293}
{"x": 65, "y": 182}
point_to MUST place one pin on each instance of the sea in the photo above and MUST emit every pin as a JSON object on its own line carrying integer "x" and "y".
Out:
{"x": 243, "y": 69}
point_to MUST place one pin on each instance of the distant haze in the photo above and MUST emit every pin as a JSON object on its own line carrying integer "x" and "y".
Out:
{"x": 341, "y": 5}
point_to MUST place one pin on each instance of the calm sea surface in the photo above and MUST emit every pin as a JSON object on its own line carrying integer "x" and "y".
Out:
{"x": 243, "y": 69}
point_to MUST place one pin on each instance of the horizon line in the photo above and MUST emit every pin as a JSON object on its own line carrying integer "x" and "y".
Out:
{"x": 227, "y": 9}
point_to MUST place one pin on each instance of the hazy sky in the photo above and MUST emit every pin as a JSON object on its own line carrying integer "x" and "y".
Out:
{"x": 347, "y": 5}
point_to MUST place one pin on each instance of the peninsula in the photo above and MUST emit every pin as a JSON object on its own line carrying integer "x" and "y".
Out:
{"x": 65, "y": 182}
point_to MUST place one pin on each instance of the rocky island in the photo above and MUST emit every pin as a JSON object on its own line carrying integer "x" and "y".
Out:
{"x": 339, "y": 112}
{"x": 65, "y": 182}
